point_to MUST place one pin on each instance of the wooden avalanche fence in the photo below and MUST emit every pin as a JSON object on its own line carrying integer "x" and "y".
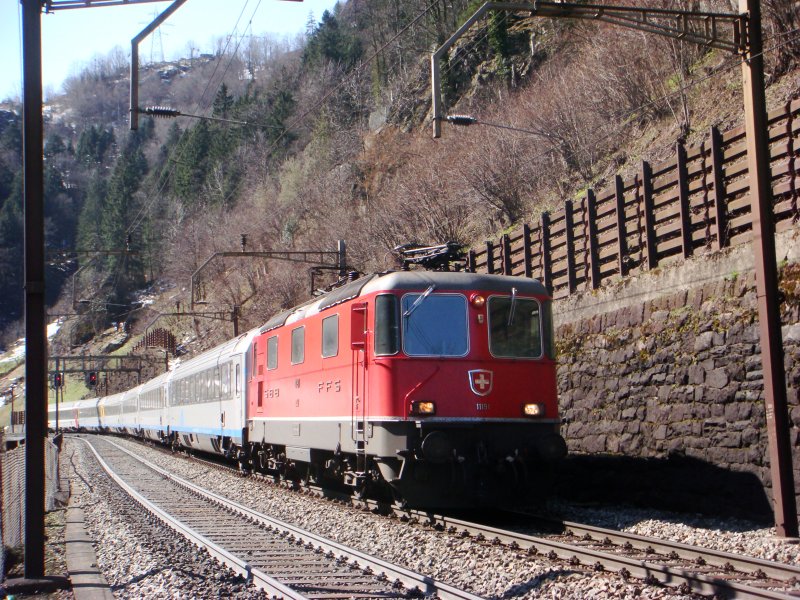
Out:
{"x": 697, "y": 201}
{"x": 158, "y": 338}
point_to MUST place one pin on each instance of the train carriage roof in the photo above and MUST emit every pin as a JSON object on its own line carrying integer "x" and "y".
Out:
{"x": 113, "y": 399}
{"x": 155, "y": 383}
{"x": 219, "y": 354}
{"x": 456, "y": 281}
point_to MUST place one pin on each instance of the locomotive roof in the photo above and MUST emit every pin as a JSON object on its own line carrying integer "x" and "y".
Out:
{"x": 407, "y": 280}
{"x": 420, "y": 280}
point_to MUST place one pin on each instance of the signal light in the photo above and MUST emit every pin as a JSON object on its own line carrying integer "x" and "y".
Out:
{"x": 58, "y": 380}
{"x": 91, "y": 379}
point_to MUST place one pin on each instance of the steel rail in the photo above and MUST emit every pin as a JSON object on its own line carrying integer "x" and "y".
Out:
{"x": 241, "y": 567}
{"x": 745, "y": 564}
{"x": 626, "y": 566}
{"x": 410, "y": 579}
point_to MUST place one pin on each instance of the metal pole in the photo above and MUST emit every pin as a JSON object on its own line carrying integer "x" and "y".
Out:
{"x": 35, "y": 337}
{"x": 57, "y": 389}
{"x": 769, "y": 317}
{"x": 134, "y": 89}
{"x": 342, "y": 250}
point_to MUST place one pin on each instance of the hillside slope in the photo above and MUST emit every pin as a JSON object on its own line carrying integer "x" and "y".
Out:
{"x": 328, "y": 138}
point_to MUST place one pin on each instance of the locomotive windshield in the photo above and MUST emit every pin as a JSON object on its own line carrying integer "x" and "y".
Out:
{"x": 434, "y": 324}
{"x": 515, "y": 329}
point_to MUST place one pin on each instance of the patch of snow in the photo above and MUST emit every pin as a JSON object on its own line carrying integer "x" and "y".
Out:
{"x": 17, "y": 351}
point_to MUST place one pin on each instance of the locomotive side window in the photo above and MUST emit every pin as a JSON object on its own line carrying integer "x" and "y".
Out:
{"x": 238, "y": 379}
{"x": 435, "y": 325}
{"x": 387, "y": 328}
{"x": 272, "y": 353}
{"x": 547, "y": 329}
{"x": 298, "y": 345}
{"x": 514, "y": 327}
{"x": 330, "y": 336}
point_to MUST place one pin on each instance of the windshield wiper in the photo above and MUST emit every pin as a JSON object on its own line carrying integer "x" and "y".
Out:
{"x": 418, "y": 301}
{"x": 513, "y": 307}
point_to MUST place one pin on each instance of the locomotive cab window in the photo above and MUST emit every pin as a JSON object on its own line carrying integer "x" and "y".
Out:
{"x": 434, "y": 324}
{"x": 272, "y": 353}
{"x": 298, "y": 345}
{"x": 330, "y": 336}
{"x": 387, "y": 325}
{"x": 515, "y": 327}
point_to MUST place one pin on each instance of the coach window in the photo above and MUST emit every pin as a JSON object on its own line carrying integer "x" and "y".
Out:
{"x": 224, "y": 380}
{"x": 238, "y": 379}
{"x": 330, "y": 336}
{"x": 387, "y": 327}
{"x": 272, "y": 353}
{"x": 298, "y": 345}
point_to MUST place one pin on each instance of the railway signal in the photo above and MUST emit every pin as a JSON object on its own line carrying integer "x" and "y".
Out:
{"x": 58, "y": 380}
{"x": 91, "y": 379}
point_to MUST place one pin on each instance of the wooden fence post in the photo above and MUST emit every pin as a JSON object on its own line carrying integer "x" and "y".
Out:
{"x": 506, "y": 248}
{"x": 570, "y": 241}
{"x": 593, "y": 242}
{"x": 489, "y": 257}
{"x": 544, "y": 251}
{"x": 526, "y": 249}
{"x": 622, "y": 233}
{"x": 649, "y": 215}
{"x": 720, "y": 214}
{"x": 683, "y": 199}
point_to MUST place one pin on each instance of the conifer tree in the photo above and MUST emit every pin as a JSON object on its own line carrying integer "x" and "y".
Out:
{"x": 192, "y": 164}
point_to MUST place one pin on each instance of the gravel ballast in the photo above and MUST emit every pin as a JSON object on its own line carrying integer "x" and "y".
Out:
{"x": 135, "y": 554}
{"x": 139, "y": 556}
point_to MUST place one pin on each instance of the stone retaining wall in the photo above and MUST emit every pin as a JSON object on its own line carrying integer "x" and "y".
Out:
{"x": 661, "y": 385}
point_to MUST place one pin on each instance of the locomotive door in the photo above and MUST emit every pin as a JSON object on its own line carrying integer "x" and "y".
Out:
{"x": 358, "y": 418}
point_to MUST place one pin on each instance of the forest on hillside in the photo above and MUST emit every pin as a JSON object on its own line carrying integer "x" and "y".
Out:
{"x": 326, "y": 137}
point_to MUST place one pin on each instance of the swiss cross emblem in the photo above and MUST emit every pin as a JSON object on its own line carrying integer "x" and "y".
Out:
{"x": 480, "y": 381}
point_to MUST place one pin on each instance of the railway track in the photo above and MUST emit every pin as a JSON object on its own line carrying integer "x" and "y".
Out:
{"x": 690, "y": 569}
{"x": 277, "y": 557}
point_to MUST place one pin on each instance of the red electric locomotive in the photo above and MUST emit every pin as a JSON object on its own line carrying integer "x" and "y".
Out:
{"x": 437, "y": 386}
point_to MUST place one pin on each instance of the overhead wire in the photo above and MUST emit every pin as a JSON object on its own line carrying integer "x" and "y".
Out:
{"x": 473, "y": 43}
{"x": 725, "y": 66}
{"x": 366, "y": 62}
{"x": 718, "y": 70}
{"x": 146, "y": 207}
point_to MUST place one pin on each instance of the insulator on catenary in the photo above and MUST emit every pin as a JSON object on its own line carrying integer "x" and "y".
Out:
{"x": 161, "y": 112}
{"x": 461, "y": 120}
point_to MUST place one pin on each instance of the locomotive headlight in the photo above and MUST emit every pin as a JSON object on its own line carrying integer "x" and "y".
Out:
{"x": 533, "y": 410}
{"x": 423, "y": 407}
{"x": 477, "y": 300}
